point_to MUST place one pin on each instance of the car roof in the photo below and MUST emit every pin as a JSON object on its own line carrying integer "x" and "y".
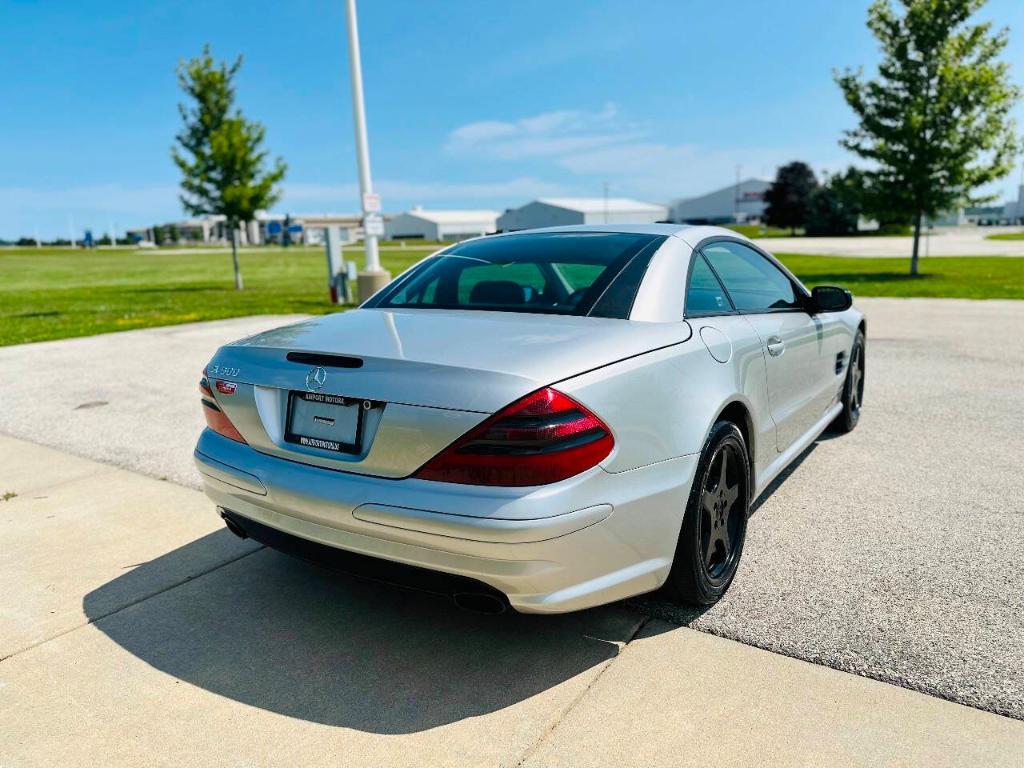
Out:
{"x": 691, "y": 234}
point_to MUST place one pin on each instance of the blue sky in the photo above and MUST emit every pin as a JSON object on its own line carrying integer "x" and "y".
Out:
{"x": 470, "y": 104}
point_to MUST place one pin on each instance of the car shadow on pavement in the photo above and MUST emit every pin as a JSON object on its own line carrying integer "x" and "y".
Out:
{"x": 289, "y": 637}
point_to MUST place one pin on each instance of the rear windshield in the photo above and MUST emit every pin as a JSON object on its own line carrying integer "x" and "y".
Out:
{"x": 567, "y": 273}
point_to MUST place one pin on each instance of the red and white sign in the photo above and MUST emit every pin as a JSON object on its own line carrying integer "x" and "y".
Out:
{"x": 371, "y": 202}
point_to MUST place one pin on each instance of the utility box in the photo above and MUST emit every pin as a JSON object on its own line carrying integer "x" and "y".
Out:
{"x": 337, "y": 270}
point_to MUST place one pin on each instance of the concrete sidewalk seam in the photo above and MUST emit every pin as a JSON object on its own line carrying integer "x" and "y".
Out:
{"x": 107, "y": 469}
{"x": 108, "y": 464}
{"x": 135, "y": 602}
{"x": 582, "y": 694}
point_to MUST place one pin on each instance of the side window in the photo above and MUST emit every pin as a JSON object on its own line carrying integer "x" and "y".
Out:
{"x": 705, "y": 295}
{"x": 754, "y": 283}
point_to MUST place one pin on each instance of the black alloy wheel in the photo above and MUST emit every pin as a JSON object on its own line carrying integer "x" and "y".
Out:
{"x": 853, "y": 388}
{"x": 720, "y": 512}
{"x": 715, "y": 524}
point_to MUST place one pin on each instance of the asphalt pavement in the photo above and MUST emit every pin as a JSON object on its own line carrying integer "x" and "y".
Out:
{"x": 892, "y": 553}
{"x": 129, "y": 399}
{"x": 895, "y": 552}
{"x": 948, "y": 241}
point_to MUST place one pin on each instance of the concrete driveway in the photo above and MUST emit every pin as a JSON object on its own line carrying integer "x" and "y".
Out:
{"x": 134, "y": 630}
{"x": 132, "y": 627}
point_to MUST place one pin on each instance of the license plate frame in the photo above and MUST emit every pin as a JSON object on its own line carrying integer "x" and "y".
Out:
{"x": 324, "y": 443}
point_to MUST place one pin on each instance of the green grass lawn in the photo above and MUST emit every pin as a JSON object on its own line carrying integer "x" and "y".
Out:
{"x": 1007, "y": 236}
{"x": 58, "y": 293}
{"x": 968, "y": 277}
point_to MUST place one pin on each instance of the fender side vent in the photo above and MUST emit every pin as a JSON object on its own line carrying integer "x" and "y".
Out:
{"x": 327, "y": 361}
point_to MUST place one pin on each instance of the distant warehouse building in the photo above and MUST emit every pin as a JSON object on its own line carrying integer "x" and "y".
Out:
{"x": 440, "y": 225}
{"x": 736, "y": 203}
{"x": 1013, "y": 212}
{"x": 264, "y": 229}
{"x": 566, "y": 211}
{"x": 304, "y": 228}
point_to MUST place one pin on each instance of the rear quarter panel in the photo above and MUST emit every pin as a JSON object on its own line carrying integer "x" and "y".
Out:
{"x": 662, "y": 404}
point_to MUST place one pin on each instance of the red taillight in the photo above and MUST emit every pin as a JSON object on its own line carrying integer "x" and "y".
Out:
{"x": 542, "y": 438}
{"x": 216, "y": 419}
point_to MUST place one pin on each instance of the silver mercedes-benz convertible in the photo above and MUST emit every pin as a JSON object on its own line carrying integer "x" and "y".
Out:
{"x": 550, "y": 419}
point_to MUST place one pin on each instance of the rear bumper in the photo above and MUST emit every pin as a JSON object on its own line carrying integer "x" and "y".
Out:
{"x": 458, "y": 588}
{"x": 592, "y": 539}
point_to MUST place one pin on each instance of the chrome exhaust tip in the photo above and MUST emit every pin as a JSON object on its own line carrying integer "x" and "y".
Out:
{"x": 232, "y": 526}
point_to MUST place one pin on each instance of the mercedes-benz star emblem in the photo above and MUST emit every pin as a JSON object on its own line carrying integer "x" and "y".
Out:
{"x": 315, "y": 379}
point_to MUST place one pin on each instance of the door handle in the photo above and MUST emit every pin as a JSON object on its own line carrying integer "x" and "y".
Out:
{"x": 775, "y": 346}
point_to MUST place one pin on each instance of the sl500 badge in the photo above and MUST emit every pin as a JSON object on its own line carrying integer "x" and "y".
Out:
{"x": 222, "y": 370}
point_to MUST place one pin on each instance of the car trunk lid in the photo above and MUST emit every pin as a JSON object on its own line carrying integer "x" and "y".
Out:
{"x": 423, "y": 377}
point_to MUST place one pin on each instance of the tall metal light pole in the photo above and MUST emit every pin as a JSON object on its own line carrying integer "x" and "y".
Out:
{"x": 372, "y": 278}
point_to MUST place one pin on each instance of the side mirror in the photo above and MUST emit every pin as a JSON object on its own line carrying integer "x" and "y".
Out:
{"x": 831, "y": 298}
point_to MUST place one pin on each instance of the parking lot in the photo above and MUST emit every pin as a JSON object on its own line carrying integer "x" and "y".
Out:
{"x": 133, "y": 626}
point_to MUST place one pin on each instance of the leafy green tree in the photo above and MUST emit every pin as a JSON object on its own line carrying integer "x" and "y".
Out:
{"x": 836, "y": 206}
{"x": 789, "y": 196}
{"x": 223, "y": 166}
{"x": 935, "y": 121}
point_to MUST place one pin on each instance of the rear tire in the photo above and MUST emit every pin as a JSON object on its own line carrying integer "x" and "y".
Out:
{"x": 715, "y": 523}
{"x": 853, "y": 389}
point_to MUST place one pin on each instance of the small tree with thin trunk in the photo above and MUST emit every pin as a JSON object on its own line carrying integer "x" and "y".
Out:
{"x": 219, "y": 152}
{"x": 788, "y": 198}
{"x": 935, "y": 122}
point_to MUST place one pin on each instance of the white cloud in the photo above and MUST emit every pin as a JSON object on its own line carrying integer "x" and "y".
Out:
{"x": 547, "y": 134}
{"x": 603, "y": 145}
{"x": 485, "y": 130}
{"x": 569, "y": 152}
{"x": 665, "y": 171}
